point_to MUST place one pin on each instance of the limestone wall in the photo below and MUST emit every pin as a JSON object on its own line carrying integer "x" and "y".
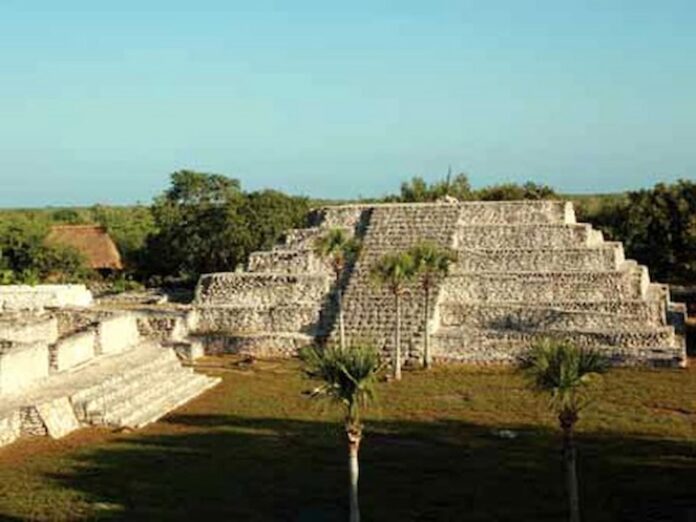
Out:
{"x": 527, "y": 236}
{"x": 22, "y": 364}
{"x": 246, "y": 319}
{"x": 73, "y": 350}
{"x": 604, "y": 258}
{"x": 25, "y": 297}
{"x": 163, "y": 325}
{"x": 541, "y": 287}
{"x": 524, "y": 270}
{"x": 118, "y": 334}
{"x": 28, "y": 328}
{"x": 260, "y": 289}
{"x": 300, "y": 261}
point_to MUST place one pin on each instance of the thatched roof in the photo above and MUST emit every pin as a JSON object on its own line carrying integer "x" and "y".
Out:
{"x": 93, "y": 241}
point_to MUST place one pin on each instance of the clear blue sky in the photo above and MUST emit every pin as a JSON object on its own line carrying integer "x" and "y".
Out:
{"x": 339, "y": 99}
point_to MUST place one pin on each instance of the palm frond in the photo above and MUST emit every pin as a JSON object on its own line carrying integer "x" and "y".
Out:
{"x": 394, "y": 270}
{"x": 348, "y": 375}
{"x": 564, "y": 371}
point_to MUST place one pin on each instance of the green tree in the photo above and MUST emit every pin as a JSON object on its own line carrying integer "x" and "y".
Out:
{"x": 130, "y": 228}
{"x": 513, "y": 191}
{"x": 205, "y": 223}
{"x": 566, "y": 373}
{"x": 196, "y": 219}
{"x": 266, "y": 215}
{"x": 431, "y": 264}
{"x": 340, "y": 249}
{"x": 395, "y": 271}
{"x": 26, "y": 258}
{"x": 417, "y": 190}
{"x": 348, "y": 377}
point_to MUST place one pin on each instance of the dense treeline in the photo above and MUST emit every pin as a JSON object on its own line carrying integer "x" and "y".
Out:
{"x": 657, "y": 227}
{"x": 207, "y": 222}
{"x": 417, "y": 190}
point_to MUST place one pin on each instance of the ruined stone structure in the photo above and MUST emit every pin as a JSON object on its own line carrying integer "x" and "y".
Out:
{"x": 63, "y": 367}
{"x": 525, "y": 270}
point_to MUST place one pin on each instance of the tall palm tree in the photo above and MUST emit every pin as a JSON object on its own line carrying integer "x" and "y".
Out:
{"x": 341, "y": 249}
{"x": 349, "y": 376}
{"x": 395, "y": 271}
{"x": 432, "y": 262}
{"x": 566, "y": 373}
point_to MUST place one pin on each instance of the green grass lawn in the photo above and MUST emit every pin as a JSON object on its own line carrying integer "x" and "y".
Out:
{"x": 255, "y": 448}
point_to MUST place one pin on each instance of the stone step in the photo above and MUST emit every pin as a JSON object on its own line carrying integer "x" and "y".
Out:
{"x": 653, "y": 346}
{"x": 515, "y": 212}
{"x": 106, "y": 400}
{"x": 142, "y": 396}
{"x": 263, "y": 344}
{"x": 522, "y": 236}
{"x": 293, "y": 261}
{"x": 299, "y": 316}
{"x": 606, "y": 257}
{"x": 142, "y": 361}
{"x": 524, "y": 317}
{"x": 628, "y": 283}
{"x": 260, "y": 289}
{"x": 624, "y": 338}
{"x": 644, "y": 311}
{"x": 193, "y": 387}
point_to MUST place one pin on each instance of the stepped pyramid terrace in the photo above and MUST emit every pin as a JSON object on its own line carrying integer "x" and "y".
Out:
{"x": 525, "y": 270}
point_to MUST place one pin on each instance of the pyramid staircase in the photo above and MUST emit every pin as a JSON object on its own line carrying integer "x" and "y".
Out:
{"x": 131, "y": 386}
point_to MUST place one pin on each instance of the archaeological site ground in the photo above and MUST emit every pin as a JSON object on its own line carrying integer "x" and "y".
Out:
{"x": 135, "y": 407}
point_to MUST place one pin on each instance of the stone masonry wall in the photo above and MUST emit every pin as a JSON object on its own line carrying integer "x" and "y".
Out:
{"x": 525, "y": 270}
{"x": 25, "y": 297}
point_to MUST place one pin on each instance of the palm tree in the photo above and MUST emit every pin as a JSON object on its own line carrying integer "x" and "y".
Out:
{"x": 566, "y": 373}
{"x": 349, "y": 376}
{"x": 395, "y": 271}
{"x": 341, "y": 249}
{"x": 432, "y": 263}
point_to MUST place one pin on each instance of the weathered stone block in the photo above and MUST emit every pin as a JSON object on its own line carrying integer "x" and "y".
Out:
{"x": 73, "y": 350}
{"x": 118, "y": 334}
{"x": 21, "y": 365}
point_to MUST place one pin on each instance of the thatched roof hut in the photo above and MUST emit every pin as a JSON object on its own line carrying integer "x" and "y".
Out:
{"x": 93, "y": 241}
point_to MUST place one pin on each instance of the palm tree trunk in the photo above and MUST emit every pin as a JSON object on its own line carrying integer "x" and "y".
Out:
{"x": 354, "y": 436}
{"x": 397, "y": 339}
{"x": 571, "y": 471}
{"x": 341, "y": 324}
{"x": 426, "y": 339}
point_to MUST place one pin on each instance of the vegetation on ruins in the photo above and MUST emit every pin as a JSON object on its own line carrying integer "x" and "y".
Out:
{"x": 432, "y": 263}
{"x": 348, "y": 378}
{"x": 341, "y": 250}
{"x": 566, "y": 373}
{"x": 417, "y": 190}
{"x": 395, "y": 271}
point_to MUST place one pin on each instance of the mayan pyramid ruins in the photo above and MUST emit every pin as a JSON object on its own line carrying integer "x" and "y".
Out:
{"x": 525, "y": 270}
{"x": 64, "y": 364}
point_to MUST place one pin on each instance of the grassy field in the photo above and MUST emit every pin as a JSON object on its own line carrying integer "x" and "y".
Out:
{"x": 255, "y": 448}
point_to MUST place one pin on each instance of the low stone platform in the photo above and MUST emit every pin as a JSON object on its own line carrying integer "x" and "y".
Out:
{"x": 126, "y": 389}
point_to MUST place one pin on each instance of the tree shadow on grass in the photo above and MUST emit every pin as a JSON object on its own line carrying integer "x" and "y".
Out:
{"x": 250, "y": 469}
